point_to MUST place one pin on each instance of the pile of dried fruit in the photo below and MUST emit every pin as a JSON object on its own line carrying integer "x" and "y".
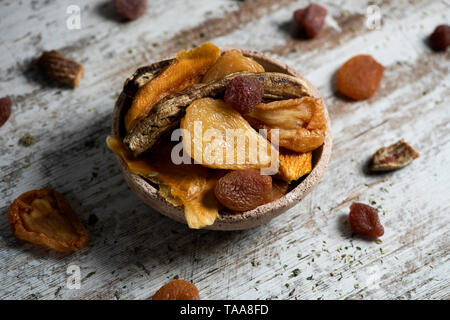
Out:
{"x": 218, "y": 102}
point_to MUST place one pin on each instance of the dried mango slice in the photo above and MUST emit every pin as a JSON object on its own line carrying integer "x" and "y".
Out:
{"x": 217, "y": 136}
{"x": 230, "y": 62}
{"x": 46, "y": 218}
{"x": 301, "y": 122}
{"x": 188, "y": 68}
{"x": 294, "y": 165}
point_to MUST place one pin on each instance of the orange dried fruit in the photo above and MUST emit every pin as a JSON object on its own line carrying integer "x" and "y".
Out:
{"x": 46, "y": 218}
{"x": 301, "y": 122}
{"x": 217, "y": 136}
{"x": 293, "y": 165}
{"x": 188, "y": 68}
{"x": 177, "y": 290}
{"x": 243, "y": 190}
{"x": 230, "y": 62}
{"x": 359, "y": 77}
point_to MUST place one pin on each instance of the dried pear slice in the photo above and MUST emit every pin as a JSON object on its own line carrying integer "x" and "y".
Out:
{"x": 188, "y": 68}
{"x": 217, "y": 136}
{"x": 166, "y": 114}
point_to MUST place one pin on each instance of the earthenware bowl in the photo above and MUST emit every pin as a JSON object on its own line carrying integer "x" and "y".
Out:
{"x": 232, "y": 220}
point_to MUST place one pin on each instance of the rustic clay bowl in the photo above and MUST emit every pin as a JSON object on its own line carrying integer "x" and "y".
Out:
{"x": 232, "y": 220}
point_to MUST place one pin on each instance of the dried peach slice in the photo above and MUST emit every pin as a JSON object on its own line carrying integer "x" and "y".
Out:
{"x": 177, "y": 290}
{"x": 46, "y": 218}
{"x": 217, "y": 136}
{"x": 301, "y": 122}
{"x": 188, "y": 68}
{"x": 230, "y": 62}
{"x": 293, "y": 165}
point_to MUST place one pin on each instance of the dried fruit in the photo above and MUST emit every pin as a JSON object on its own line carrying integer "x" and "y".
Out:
{"x": 243, "y": 190}
{"x": 393, "y": 157}
{"x": 46, "y": 218}
{"x": 130, "y": 9}
{"x": 177, "y": 290}
{"x": 359, "y": 77}
{"x": 363, "y": 219}
{"x": 5, "y": 109}
{"x": 301, "y": 122}
{"x": 218, "y": 137}
{"x": 293, "y": 165}
{"x": 60, "y": 68}
{"x": 440, "y": 38}
{"x": 311, "y": 19}
{"x": 230, "y": 62}
{"x": 188, "y": 68}
{"x": 243, "y": 94}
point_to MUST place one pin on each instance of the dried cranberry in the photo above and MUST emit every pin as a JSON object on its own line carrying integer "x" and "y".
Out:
{"x": 440, "y": 38}
{"x": 311, "y": 19}
{"x": 130, "y": 9}
{"x": 243, "y": 93}
{"x": 364, "y": 220}
{"x": 5, "y": 109}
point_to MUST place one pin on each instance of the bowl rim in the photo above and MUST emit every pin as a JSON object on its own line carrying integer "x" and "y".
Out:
{"x": 233, "y": 220}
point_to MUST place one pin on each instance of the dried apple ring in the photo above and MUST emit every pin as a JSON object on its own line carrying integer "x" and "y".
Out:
{"x": 46, "y": 218}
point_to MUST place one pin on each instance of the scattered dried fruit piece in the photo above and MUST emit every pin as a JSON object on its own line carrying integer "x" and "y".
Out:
{"x": 393, "y": 157}
{"x": 243, "y": 94}
{"x": 230, "y": 62}
{"x": 440, "y": 38}
{"x": 130, "y": 9}
{"x": 60, "y": 68}
{"x": 46, "y": 218}
{"x": 311, "y": 19}
{"x": 5, "y": 109}
{"x": 243, "y": 190}
{"x": 363, "y": 219}
{"x": 177, "y": 290}
{"x": 301, "y": 122}
{"x": 359, "y": 77}
{"x": 218, "y": 137}
{"x": 293, "y": 165}
{"x": 188, "y": 68}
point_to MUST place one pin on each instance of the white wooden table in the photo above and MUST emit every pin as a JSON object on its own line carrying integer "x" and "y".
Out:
{"x": 133, "y": 250}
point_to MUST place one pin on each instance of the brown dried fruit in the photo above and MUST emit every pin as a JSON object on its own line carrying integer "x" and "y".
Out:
{"x": 311, "y": 19}
{"x": 130, "y": 9}
{"x": 359, "y": 77}
{"x": 5, "y": 109}
{"x": 440, "y": 38}
{"x": 393, "y": 157}
{"x": 243, "y": 94}
{"x": 188, "y": 68}
{"x": 177, "y": 290}
{"x": 46, "y": 218}
{"x": 243, "y": 190}
{"x": 60, "y": 68}
{"x": 230, "y": 62}
{"x": 293, "y": 165}
{"x": 363, "y": 219}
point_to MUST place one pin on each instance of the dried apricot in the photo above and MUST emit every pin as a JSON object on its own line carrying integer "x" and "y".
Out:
{"x": 293, "y": 165}
{"x": 359, "y": 77}
{"x": 393, "y": 157}
{"x": 243, "y": 94}
{"x": 177, "y": 290}
{"x": 5, "y": 109}
{"x": 311, "y": 19}
{"x": 243, "y": 190}
{"x": 363, "y": 219}
{"x": 46, "y": 218}
{"x": 230, "y": 62}
{"x": 130, "y": 9}
{"x": 440, "y": 38}
{"x": 301, "y": 122}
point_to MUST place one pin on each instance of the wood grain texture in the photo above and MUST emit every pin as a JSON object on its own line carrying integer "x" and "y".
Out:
{"x": 133, "y": 250}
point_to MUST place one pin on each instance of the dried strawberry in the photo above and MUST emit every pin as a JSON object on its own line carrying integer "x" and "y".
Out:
{"x": 311, "y": 19}
{"x": 440, "y": 38}
{"x": 243, "y": 93}
{"x": 130, "y": 9}
{"x": 364, "y": 220}
{"x": 5, "y": 109}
